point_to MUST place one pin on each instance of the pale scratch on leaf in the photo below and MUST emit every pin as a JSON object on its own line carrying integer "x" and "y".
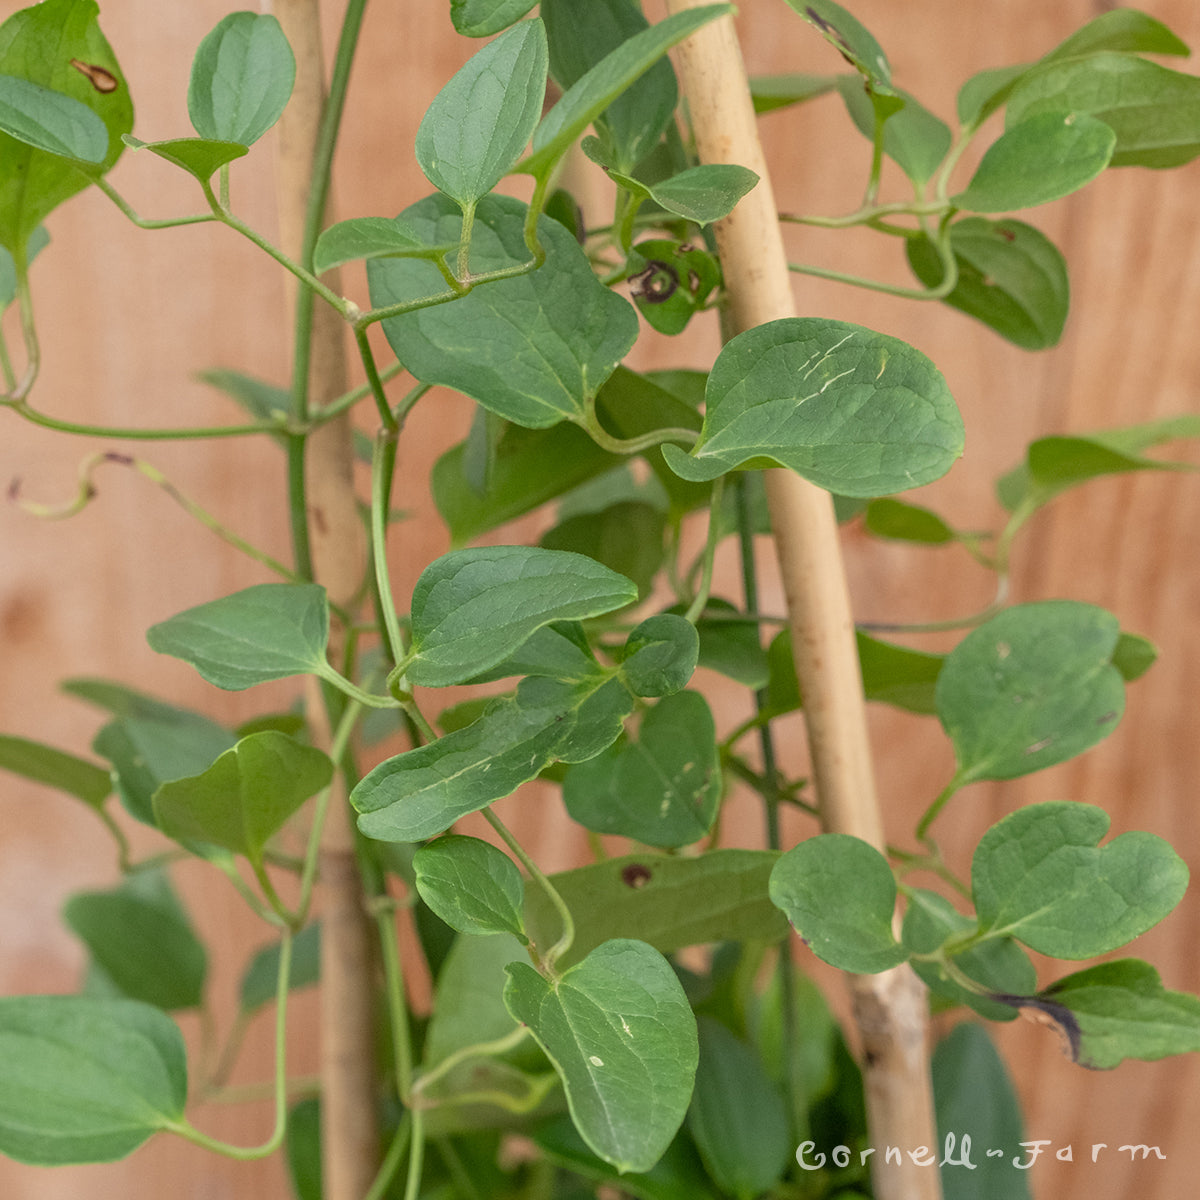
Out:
{"x": 595, "y": 1061}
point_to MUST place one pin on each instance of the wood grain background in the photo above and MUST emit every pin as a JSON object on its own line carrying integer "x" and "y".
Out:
{"x": 127, "y": 317}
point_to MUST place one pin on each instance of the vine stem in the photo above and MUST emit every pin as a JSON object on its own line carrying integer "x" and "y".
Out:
{"x": 890, "y": 1008}
{"x": 321, "y": 488}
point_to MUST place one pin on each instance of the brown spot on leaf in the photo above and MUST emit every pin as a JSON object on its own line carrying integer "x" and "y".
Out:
{"x": 636, "y": 875}
{"x": 655, "y": 284}
{"x": 101, "y": 79}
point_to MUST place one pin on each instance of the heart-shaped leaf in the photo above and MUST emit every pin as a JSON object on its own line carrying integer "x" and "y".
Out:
{"x": 1040, "y": 876}
{"x": 857, "y": 412}
{"x": 664, "y": 788}
{"x": 1010, "y": 276}
{"x": 57, "y": 45}
{"x": 913, "y": 138}
{"x": 1154, "y": 111}
{"x": 840, "y": 895}
{"x": 1032, "y": 687}
{"x": 244, "y": 798}
{"x": 86, "y": 1080}
{"x": 269, "y": 631}
{"x": 622, "y": 1036}
{"x": 480, "y": 122}
{"x": 424, "y": 791}
{"x": 471, "y": 885}
{"x": 1043, "y": 158}
{"x": 535, "y": 372}
{"x": 472, "y": 609}
{"x": 242, "y": 79}
{"x": 1120, "y": 1010}
{"x": 140, "y": 936}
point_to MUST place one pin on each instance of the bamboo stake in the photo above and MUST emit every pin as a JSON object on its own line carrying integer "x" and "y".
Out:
{"x": 349, "y": 1118}
{"x": 890, "y": 1008}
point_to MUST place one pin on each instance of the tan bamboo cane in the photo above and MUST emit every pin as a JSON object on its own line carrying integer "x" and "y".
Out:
{"x": 349, "y": 1116}
{"x": 890, "y": 1008}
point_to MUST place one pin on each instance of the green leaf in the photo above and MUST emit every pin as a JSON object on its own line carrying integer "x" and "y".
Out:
{"x": 669, "y": 281}
{"x": 1040, "y": 876}
{"x": 57, "y": 45}
{"x": 1054, "y": 464}
{"x": 473, "y": 608}
{"x": 471, "y": 885}
{"x": 678, "y": 1175}
{"x": 56, "y": 768}
{"x": 660, "y": 655}
{"x": 582, "y": 33}
{"x": 1154, "y": 111}
{"x": 595, "y": 91}
{"x": 86, "y": 1080}
{"x": 302, "y": 1148}
{"x": 529, "y": 468}
{"x": 669, "y": 901}
{"x": 1120, "y": 1010}
{"x": 770, "y": 92}
{"x": 424, "y": 791}
{"x": 1032, "y": 687}
{"x": 147, "y": 750}
{"x": 985, "y": 92}
{"x": 365, "y": 238}
{"x": 1000, "y": 965}
{"x": 1134, "y": 656}
{"x": 975, "y": 1099}
{"x": 913, "y": 138}
{"x": 888, "y": 517}
{"x": 839, "y": 894}
{"x": 242, "y": 78}
{"x": 628, "y": 538}
{"x": 621, "y": 1034}
{"x": 705, "y": 193}
{"x": 139, "y": 934}
{"x": 470, "y": 986}
{"x": 260, "y": 399}
{"x": 1010, "y": 276}
{"x": 269, "y": 631}
{"x": 663, "y": 789}
{"x": 50, "y": 121}
{"x": 536, "y": 372}
{"x": 482, "y": 18}
{"x": 480, "y": 122}
{"x": 38, "y": 241}
{"x": 1042, "y": 158}
{"x": 261, "y": 977}
{"x": 558, "y": 651}
{"x": 244, "y": 798}
{"x": 853, "y": 411}
{"x": 198, "y": 156}
{"x": 849, "y": 37}
{"x": 737, "y": 1116}
{"x": 732, "y": 646}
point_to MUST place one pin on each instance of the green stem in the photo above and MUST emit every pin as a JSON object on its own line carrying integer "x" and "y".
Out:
{"x": 931, "y": 813}
{"x": 347, "y": 687}
{"x": 564, "y": 913}
{"x": 383, "y": 463}
{"x": 393, "y": 977}
{"x": 490, "y": 1049}
{"x": 391, "y": 1161}
{"x": 246, "y": 1153}
{"x": 374, "y": 382}
{"x": 148, "y": 435}
{"x": 710, "y": 552}
{"x": 141, "y": 222}
{"x": 416, "y": 1157}
{"x": 6, "y": 367}
{"x": 633, "y": 445}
